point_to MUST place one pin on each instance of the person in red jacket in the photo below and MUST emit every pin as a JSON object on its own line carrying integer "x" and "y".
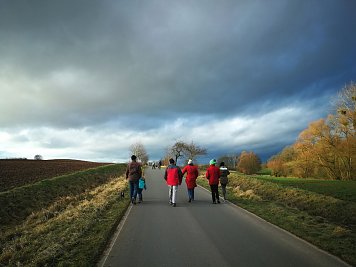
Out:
{"x": 173, "y": 176}
{"x": 190, "y": 180}
{"x": 213, "y": 174}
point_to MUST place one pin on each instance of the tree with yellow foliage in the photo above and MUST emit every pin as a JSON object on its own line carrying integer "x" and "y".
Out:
{"x": 248, "y": 163}
{"x": 327, "y": 148}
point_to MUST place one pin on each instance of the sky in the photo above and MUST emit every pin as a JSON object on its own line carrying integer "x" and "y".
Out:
{"x": 87, "y": 79}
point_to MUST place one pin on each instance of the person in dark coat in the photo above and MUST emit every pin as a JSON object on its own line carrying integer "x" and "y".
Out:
{"x": 133, "y": 174}
{"x": 213, "y": 174}
{"x": 224, "y": 180}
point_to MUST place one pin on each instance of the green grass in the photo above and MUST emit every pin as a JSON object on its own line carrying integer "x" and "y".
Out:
{"x": 71, "y": 230}
{"x": 344, "y": 190}
{"x": 265, "y": 171}
{"x": 315, "y": 215}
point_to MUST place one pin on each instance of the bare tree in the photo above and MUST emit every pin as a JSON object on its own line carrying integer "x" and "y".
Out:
{"x": 182, "y": 149}
{"x": 192, "y": 151}
{"x": 346, "y": 106}
{"x": 177, "y": 150}
{"x": 140, "y": 152}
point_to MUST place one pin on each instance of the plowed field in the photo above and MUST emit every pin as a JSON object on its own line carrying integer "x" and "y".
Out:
{"x": 14, "y": 173}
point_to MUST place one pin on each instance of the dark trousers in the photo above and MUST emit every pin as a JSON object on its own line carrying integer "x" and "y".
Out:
{"x": 215, "y": 192}
{"x": 139, "y": 192}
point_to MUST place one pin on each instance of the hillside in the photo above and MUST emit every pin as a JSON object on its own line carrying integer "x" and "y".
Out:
{"x": 16, "y": 172}
{"x": 62, "y": 221}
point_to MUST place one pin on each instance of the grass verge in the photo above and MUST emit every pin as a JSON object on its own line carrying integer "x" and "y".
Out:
{"x": 344, "y": 190}
{"x": 73, "y": 230}
{"x": 324, "y": 221}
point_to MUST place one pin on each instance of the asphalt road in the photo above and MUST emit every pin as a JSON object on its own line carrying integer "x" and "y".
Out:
{"x": 203, "y": 234}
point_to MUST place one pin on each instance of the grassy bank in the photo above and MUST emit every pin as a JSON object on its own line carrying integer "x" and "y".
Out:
{"x": 315, "y": 215}
{"x": 20, "y": 202}
{"x": 73, "y": 228}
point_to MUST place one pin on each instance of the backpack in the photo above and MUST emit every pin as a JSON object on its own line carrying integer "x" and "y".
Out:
{"x": 134, "y": 169}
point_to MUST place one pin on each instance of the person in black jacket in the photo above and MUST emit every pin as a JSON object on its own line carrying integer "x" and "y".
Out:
{"x": 224, "y": 172}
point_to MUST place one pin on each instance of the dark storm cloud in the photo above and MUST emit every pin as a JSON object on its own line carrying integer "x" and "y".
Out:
{"x": 138, "y": 66}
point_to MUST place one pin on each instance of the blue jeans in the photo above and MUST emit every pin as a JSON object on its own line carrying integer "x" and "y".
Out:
{"x": 133, "y": 189}
{"x": 191, "y": 193}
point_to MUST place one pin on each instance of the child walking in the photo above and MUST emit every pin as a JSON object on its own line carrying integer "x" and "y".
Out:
{"x": 141, "y": 186}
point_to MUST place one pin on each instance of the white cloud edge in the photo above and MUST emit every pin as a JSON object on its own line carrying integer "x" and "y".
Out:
{"x": 112, "y": 144}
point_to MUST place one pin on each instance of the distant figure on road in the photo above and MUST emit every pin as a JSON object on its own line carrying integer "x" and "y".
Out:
{"x": 133, "y": 173}
{"x": 224, "y": 172}
{"x": 153, "y": 165}
{"x": 141, "y": 186}
{"x": 190, "y": 180}
{"x": 159, "y": 164}
{"x": 173, "y": 176}
{"x": 213, "y": 174}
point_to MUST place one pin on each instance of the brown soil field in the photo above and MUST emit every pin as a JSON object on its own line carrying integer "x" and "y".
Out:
{"x": 14, "y": 173}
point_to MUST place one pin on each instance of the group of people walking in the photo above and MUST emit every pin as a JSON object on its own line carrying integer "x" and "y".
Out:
{"x": 158, "y": 165}
{"x": 174, "y": 176}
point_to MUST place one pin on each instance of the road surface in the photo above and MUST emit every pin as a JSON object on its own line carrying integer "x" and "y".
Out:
{"x": 203, "y": 234}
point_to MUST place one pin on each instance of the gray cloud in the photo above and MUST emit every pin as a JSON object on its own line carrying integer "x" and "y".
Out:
{"x": 138, "y": 66}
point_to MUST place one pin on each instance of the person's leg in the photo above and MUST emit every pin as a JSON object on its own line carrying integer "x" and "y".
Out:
{"x": 223, "y": 189}
{"x": 217, "y": 193}
{"x": 193, "y": 193}
{"x": 190, "y": 194}
{"x": 135, "y": 191}
{"x": 170, "y": 192}
{"x": 212, "y": 193}
{"x": 174, "y": 194}
{"x": 131, "y": 190}
{"x": 139, "y": 192}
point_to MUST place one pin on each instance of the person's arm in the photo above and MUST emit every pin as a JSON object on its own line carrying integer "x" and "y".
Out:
{"x": 196, "y": 172}
{"x": 184, "y": 170}
{"x": 127, "y": 171}
{"x": 140, "y": 171}
{"x": 180, "y": 175}
{"x": 165, "y": 174}
{"x": 143, "y": 171}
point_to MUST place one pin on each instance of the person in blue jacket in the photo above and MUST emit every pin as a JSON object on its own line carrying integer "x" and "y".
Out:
{"x": 141, "y": 186}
